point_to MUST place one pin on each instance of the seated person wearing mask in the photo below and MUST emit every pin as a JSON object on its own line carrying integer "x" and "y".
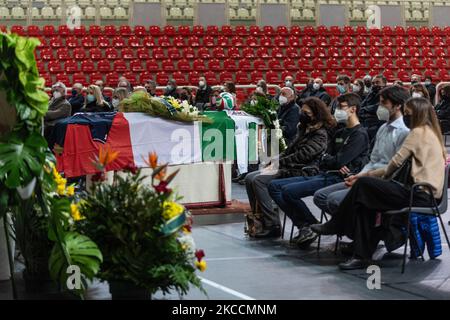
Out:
{"x": 343, "y": 86}
{"x": 443, "y": 108}
{"x": 150, "y": 86}
{"x": 171, "y": 89}
{"x": 349, "y": 148}
{"x": 419, "y": 91}
{"x": 77, "y": 98}
{"x": 319, "y": 91}
{"x": 288, "y": 115}
{"x": 388, "y": 141}
{"x": 307, "y": 148}
{"x": 58, "y": 108}
{"x": 203, "y": 95}
{"x": 94, "y": 101}
{"x": 99, "y": 83}
{"x": 373, "y": 191}
{"x": 368, "y": 111}
{"x": 118, "y": 95}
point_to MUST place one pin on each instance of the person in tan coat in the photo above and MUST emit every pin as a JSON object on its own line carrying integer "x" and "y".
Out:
{"x": 375, "y": 191}
{"x": 59, "y": 108}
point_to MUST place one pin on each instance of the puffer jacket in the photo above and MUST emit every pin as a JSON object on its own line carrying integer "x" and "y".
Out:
{"x": 306, "y": 150}
{"x": 58, "y": 109}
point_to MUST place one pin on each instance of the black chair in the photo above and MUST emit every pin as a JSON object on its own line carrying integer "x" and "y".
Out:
{"x": 435, "y": 210}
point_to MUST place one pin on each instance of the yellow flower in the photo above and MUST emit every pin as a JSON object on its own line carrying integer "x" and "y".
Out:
{"x": 171, "y": 210}
{"x": 75, "y": 212}
{"x": 61, "y": 189}
{"x": 186, "y": 230}
{"x": 70, "y": 190}
{"x": 201, "y": 265}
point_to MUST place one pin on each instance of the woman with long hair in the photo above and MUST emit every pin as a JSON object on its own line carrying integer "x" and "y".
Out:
{"x": 305, "y": 150}
{"x": 94, "y": 100}
{"x": 418, "y": 90}
{"x": 375, "y": 191}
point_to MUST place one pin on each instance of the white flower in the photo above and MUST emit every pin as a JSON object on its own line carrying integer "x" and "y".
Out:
{"x": 187, "y": 242}
{"x": 276, "y": 124}
{"x": 278, "y": 133}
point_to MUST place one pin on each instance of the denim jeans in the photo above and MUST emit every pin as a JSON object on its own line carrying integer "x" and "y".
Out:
{"x": 288, "y": 194}
{"x": 329, "y": 198}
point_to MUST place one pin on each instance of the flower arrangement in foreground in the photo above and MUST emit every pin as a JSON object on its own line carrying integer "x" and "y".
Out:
{"x": 165, "y": 107}
{"x": 267, "y": 110}
{"x": 142, "y": 232}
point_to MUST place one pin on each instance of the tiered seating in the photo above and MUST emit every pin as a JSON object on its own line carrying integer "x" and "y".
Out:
{"x": 242, "y": 54}
{"x": 301, "y": 10}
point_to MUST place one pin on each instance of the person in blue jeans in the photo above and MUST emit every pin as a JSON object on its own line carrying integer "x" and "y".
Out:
{"x": 347, "y": 153}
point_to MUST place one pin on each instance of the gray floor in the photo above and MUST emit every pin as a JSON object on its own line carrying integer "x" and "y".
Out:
{"x": 240, "y": 268}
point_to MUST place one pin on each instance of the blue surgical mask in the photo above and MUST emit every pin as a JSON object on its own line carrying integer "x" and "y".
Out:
{"x": 341, "y": 89}
{"x": 90, "y": 98}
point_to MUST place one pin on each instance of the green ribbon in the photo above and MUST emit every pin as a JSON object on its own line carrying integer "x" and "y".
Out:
{"x": 174, "y": 224}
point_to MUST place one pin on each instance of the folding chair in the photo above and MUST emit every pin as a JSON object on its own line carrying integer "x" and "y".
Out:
{"x": 435, "y": 210}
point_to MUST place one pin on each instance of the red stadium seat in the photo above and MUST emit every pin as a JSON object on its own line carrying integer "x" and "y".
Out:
{"x": 56, "y": 42}
{"x": 296, "y": 31}
{"x": 72, "y": 42}
{"x": 248, "y": 53}
{"x": 211, "y": 78}
{"x": 218, "y": 53}
{"x": 48, "y": 31}
{"x": 212, "y": 30}
{"x": 125, "y": 31}
{"x": 224, "y": 76}
{"x": 318, "y": 63}
{"x": 33, "y": 31}
{"x": 275, "y": 65}
{"x": 87, "y": 66}
{"x": 71, "y": 66}
{"x": 48, "y": 79}
{"x": 111, "y": 54}
{"x": 255, "y": 31}
{"x": 331, "y": 75}
{"x": 155, "y": 31}
{"x": 199, "y": 65}
{"x": 241, "y": 31}
{"x": 294, "y": 41}
{"x": 412, "y": 31}
{"x": 334, "y": 52}
{"x": 134, "y": 42}
{"x": 307, "y": 41}
{"x": 180, "y": 78}
{"x": 112, "y": 79}
{"x": 237, "y": 41}
{"x": 120, "y": 66}
{"x": 79, "y": 78}
{"x": 164, "y": 41}
{"x": 130, "y": 76}
{"x": 301, "y": 77}
{"x": 79, "y": 54}
{"x": 64, "y": 31}
{"x": 96, "y": 76}
{"x": 242, "y": 77}
{"x": 183, "y": 65}
{"x": 140, "y": 31}
{"x": 403, "y": 75}
{"x": 227, "y": 31}
{"x": 179, "y": 41}
{"x": 360, "y": 63}
{"x": 359, "y": 74}
{"x": 214, "y": 65}
{"x": 168, "y": 66}
{"x": 441, "y": 63}
{"x": 251, "y": 41}
{"x": 103, "y": 66}
{"x": 169, "y": 31}
{"x": 317, "y": 74}
{"x": 282, "y": 31}
{"x": 203, "y": 53}
{"x": 103, "y": 42}
{"x": 272, "y": 77}
{"x": 256, "y": 76}
{"x": 87, "y": 42}
{"x": 144, "y": 77}
{"x": 332, "y": 63}
{"x": 110, "y": 30}
{"x": 280, "y": 41}
{"x": 277, "y": 53}
{"x": 143, "y": 53}
{"x": 193, "y": 41}
{"x": 193, "y": 77}
{"x": 245, "y": 65}
{"x": 265, "y": 42}
{"x": 118, "y": 42}
{"x": 309, "y": 31}
{"x": 346, "y": 63}
{"x": 414, "y": 62}
{"x": 54, "y": 66}
{"x": 95, "y": 31}
{"x": 292, "y": 53}
{"x": 63, "y": 54}
{"x": 136, "y": 66}
{"x": 230, "y": 65}
{"x": 64, "y": 78}
{"x": 347, "y": 52}
{"x": 389, "y": 74}
{"x": 388, "y": 63}
{"x": 443, "y": 75}
{"x": 158, "y": 53}
{"x": 188, "y": 53}
{"x": 149, "y": 42}
{"x": 289, "y": 64}
{"x": 260, "y": 64}
{"x": 198, "y": 31}
{"x": 304, "y": 64}
{"x": 208, "y": 41}
{"x": 152, "y": 66}
{"x": 173, "y": 53}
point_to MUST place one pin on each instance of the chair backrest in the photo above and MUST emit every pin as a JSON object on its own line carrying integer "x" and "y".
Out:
{"x": 444, "y": 200}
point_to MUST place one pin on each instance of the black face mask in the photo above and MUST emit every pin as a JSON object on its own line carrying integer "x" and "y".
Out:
{"x": 407, "y": 120}
{"x": 304, "y": 118}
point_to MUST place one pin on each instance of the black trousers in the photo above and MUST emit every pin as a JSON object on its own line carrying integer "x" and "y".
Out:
{"x": 356, "y": 216}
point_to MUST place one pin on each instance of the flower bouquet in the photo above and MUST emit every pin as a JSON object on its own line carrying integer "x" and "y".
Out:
{"x": 143, "y": 233}
{"x": 165, "y": 107}
{"x": 267, "y": 110}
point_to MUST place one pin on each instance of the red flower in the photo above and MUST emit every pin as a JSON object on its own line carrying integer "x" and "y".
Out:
{"x": 162, "y": 187}
{"x": 131, "y": 168}
{"x": 199, "y": 254}
{"x": 98, "y": 177}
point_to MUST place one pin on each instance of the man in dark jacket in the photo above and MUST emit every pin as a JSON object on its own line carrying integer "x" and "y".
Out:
{"x": 203, "y": 96}
{"x": 347, "y": 152}
{"x": 171, "y": 89}
{"x": 77, "y": 98}
{"x": 59, "y": 108}
{"x": 342, "y": 86}
{"x": 443, "y": 108}
{"x": 368, "y": 111}
{"x": 431, "y": 88}
{"x": 315, "y": 89}
{"x": 288, "y": 113}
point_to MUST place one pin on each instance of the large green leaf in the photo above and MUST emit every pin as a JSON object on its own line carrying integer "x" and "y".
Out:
{"x": 81, "y": 250}
{"x": 21, "y": 161}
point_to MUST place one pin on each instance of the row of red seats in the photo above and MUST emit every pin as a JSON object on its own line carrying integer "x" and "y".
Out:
{"x": 240, "y": 77}
{"x": 137, "y": 65}
{"x": 235, "y": 53}
{"x": 111, "y": 30}
{"x": 236, "y": 41}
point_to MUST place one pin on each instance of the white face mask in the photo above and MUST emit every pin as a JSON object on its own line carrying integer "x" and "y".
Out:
{"x": 341, "y": 116}
{"x": 282, "y": 100}
{"x": 288, "y": 83}
{"x": 316, "y": 86}
{"x": 253, "y": 102}
{"x": 355, "y": 88}
{"x": 383, "y": 113}
{"x": 201, "y": 83}
{"x": 259, "y": 89}
{"x": 115, "y": 103}
{"x": 57, "y": 94}
{"x": 417, "y": 95}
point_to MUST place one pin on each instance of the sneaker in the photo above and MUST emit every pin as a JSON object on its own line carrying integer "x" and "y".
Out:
{"x": 308, "y": 237}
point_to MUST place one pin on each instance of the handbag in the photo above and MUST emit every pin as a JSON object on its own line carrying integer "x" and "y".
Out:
{"x": 402, "y": 175}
